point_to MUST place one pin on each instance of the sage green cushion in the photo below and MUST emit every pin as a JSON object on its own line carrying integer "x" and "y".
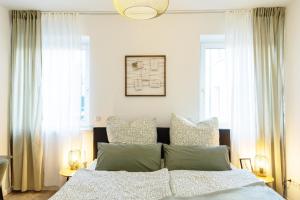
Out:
{"x": 196, "y": 158}
{"x": 129, "y": 157}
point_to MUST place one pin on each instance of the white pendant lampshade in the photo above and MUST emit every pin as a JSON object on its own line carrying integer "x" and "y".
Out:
{"x": 141, "y": 9}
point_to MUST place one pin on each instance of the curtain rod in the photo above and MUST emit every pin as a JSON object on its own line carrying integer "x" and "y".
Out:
{"x": 168, "y": 12}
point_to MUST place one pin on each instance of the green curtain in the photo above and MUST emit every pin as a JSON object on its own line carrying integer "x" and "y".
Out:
{"x": 268, "y": 30}
{"x": 26, "y": 100}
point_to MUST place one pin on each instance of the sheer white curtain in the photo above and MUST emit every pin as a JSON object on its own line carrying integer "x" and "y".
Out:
{"x": 240, "y": 62}
{"x": 61, "y": 91}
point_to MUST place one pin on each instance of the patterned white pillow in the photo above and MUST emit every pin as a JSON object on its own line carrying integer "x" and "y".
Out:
{"x": 141, "y": 131}
{"x": 185, "y": 132}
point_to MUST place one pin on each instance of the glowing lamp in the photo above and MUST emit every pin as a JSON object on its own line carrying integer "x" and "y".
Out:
{"x": 141, "y": 9}
{"x": 74, "y": 158}
{"x": 261, "y": 164}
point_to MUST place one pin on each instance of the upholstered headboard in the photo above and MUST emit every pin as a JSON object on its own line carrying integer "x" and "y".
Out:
{"x": 163, "y": 136}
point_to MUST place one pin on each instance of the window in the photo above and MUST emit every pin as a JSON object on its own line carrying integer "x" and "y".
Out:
{"x": 84, "y": 104}
{"x": 214, "y": 84}
{"x": 65, "y": 75}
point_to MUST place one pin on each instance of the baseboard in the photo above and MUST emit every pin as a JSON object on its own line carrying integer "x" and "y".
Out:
{"x": 6, "y": 191}
{"x": 50, "y": 188}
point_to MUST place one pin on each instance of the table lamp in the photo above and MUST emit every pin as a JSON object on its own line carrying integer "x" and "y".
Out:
{"x": 74, "y": 159}
{"x": 261, "y": 163}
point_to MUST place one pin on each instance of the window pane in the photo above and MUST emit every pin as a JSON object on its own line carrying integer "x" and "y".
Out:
{"x": 214, "y": 85}
{"x": 84, "y": 55}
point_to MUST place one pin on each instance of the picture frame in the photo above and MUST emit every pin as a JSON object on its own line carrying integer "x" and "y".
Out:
{"x": 145, "y": 76}
{"x": 246, "y": 164}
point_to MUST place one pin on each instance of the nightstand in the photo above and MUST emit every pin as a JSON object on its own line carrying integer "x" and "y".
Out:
{"x": 266, "y": 179}
{"x": 67, "y": 172}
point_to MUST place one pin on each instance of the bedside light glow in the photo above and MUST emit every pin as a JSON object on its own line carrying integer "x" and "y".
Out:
{"x": 261, "y": 165}
{"x": 74, "y": 159}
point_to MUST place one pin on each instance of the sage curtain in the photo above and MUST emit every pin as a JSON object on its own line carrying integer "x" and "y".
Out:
{"x": 268, "y": 34}
{"x": 26, "y": 100}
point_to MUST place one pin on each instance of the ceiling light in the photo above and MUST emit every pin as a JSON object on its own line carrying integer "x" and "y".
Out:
{"x": 141, "y": 9}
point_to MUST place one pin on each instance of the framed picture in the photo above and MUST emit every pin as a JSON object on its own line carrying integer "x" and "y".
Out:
{"x": 145, "y": 75}
{"x": 246, "y": 164}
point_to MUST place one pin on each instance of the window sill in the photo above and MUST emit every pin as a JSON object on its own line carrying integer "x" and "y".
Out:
{"x": 86, "y": 128}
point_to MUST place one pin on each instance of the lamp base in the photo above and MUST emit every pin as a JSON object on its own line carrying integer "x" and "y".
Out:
{"x": 261, "y": 172}
{"x": 74, "y": 166}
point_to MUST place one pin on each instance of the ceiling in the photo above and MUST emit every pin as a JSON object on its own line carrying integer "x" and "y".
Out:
{"x": 107, "y": 5}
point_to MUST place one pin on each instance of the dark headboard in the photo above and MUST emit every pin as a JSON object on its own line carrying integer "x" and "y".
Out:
{"x": 163, "y": 136}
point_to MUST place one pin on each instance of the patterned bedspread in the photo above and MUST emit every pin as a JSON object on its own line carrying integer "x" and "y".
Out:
{"x": 101, "y": 185}
{"x": 92, "y": 185}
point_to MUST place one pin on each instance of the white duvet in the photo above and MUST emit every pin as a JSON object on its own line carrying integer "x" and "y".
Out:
{"x": 89, "y": 184}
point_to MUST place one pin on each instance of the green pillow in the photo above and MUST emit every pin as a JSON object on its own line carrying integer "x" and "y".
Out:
{"x": 129, "y": 157}
{"x": 196, "y": 158}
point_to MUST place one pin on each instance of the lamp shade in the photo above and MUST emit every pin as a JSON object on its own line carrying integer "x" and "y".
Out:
{"x": 74, "y": 159}
{"x": 261, "y": 165}
{"x": 141, "y": 9}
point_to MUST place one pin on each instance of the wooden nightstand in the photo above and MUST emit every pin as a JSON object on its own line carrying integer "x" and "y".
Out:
{"x": 67, "y": 173}
{"x": 266, "y": 179}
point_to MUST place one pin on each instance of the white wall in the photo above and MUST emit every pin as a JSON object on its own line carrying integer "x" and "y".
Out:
{"x": 293, "y": 97}
{"x": 176, "y": 36}
{"x": 4, "y": 84}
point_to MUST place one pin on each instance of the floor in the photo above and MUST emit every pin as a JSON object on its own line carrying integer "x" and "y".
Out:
{"x": 43, "y": 195}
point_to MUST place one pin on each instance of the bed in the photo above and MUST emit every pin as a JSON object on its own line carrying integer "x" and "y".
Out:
{"x": 89, "y": 184}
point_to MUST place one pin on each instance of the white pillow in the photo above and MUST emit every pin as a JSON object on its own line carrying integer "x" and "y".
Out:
{"x": 141, "y": 131}
{"x": 185, "y": 132}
